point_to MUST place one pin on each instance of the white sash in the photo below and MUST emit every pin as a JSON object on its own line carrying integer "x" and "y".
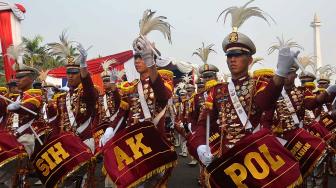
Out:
{"x": 114, "y": 116}
{"x": 238, "y": 106}
{"x": 16, "y": 116}
{"x": 143, "y": 102}
{"x": 325, "y": 108}
{"x": 107, "y": 111}
{"x": 69, "y": 109}
{"x": 24, "y": 127}
{"x": 1, "y": 119}
{"x": 290, "y": 107}
{"x": 83, "y": 126}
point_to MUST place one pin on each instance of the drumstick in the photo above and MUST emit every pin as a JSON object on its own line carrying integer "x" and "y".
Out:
{"x": 207, "y": 131}
{"x": 28, "y": 110}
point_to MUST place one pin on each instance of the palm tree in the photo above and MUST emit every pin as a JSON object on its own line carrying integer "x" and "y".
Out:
{"x": 240, "y": 14}
{"x": 282, "y": 43}
{"x": 35, "y": 51}
{"x": 204, "y": 52}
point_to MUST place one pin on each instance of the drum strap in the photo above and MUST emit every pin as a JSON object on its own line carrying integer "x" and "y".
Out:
{"x": 83, "y": 126}
{"x": 114, "y": 116}
{"x": 159, "y": 116}
{"x": 238, "y": 106}
{"x": 290, "y": 107}
{"x": 16, "y": 116}
{"x": 71, "y": 115}
{"x": 1, "y": 119}
{"x": 24, "y": 127}
{"x": 143, "y": 102}
{"x": 107, "y": 111}
{"x": 325, "y": 108}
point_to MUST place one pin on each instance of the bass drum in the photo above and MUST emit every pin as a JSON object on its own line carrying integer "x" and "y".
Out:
{"x": 12, "y": 156}
{"x": 258, "y": 160}
{"x": 309, "y": 150}
{"x": 62, "y": 160}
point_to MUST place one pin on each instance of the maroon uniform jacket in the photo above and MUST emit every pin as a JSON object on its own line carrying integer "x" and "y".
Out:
{"x": 254, "y": 95}
{"x": 83, "y": 101}
{"x": 156, "y": 96}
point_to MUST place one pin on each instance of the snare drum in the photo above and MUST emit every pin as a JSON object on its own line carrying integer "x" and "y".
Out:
{"x": 62, "y": 160}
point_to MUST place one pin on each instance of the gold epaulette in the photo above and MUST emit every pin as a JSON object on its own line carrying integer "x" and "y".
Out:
{"x": 310, "y": 85}
{"x": 3, "y": 89}
{"x": 34, "y": 91}
{"x": 13, "y": 94}
{"x": 128, "y": 87}
{"x": 211, "y": 83}
{"x": 57, "y": 95}
{"x": 167, "y": 77}
{"x": 166, "y": 74}
{"x": 124, "y": 105}
{"x": 263, "y": 73}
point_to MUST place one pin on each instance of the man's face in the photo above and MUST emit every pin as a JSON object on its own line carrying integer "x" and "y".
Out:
{"x": 140, "y": 65}
{"x": 13, "y": 89}
{"x": 24, "y": 82}
{"x": 289, "y": 80}
{"x": 209, "y": 77}
{"x": 107, "y": 85}
{"x": 238, "y": 63}
{"x": 323, "y": 85}
{"x": 74, "y": 79}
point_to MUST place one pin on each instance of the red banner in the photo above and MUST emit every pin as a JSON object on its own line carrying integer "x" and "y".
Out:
{"x": 136, "y": 154}
{"x": 61, "y": 157}
{"x": 306, "y": 148}
{"x": 258, "y": 160}
{"x": 6, "y": 39}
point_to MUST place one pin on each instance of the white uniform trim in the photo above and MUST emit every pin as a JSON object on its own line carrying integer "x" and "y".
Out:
{"x": 238, "y": 106}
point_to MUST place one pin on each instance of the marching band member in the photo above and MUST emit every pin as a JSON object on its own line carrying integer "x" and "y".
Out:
{"x": 234, "y": 109}
{"x": 76, "y": 108}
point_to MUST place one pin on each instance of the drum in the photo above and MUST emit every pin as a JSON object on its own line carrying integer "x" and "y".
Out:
{"x": 12, "y": 155}
{"x": 319, "y": 130}
{"x": 62, "y": 160}
{"x": 309, "y": 150}
{"x": 258, "y": 160}
{"x": 327, "y": 121}
{"x": 137, "y": 154}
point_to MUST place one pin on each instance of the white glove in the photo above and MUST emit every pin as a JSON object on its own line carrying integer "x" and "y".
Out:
{"x": 285, "y": 61}
{"x": 331, "y": 89}
{"x": 109, "y": 133}
{"x": 181, "y": 125}
{"x": 113, "y": 78}
{"x": 143, "y": 46}
{"x": 14, "y": 106}
{"x": 204, "y": 154}
{"x": 189, "y": 127}
{"x": 82, "y": 56}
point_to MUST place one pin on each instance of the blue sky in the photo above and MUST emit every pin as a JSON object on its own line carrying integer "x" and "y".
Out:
{"x": 110, "y": 26}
